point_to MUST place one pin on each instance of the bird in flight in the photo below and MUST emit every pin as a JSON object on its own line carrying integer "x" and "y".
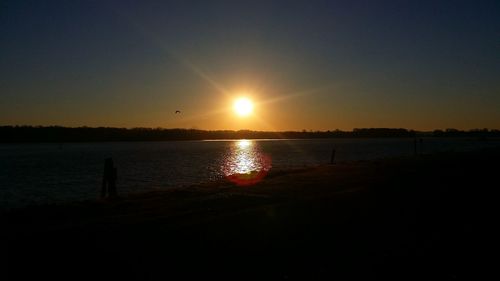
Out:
{"x": 177, "y": 111}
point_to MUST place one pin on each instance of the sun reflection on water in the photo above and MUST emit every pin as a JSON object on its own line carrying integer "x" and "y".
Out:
{"x": 246, "y": 164}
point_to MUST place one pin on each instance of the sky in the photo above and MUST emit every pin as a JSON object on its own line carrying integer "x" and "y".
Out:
{"x": 306, "y": 65}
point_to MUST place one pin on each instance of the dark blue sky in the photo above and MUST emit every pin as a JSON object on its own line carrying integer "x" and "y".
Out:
{"x": 306, "y": 64}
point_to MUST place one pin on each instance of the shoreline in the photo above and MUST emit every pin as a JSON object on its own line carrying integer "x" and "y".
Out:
{"x": 224, "y": 184}
{"x": 217, "y": 185}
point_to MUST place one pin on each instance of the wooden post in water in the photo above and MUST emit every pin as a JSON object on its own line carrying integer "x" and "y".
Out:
{"x": 112, "y": 184}
{"x": 415, "y": 146}
{"x": 332, "y": 158}
{"x": 109, "y": 179}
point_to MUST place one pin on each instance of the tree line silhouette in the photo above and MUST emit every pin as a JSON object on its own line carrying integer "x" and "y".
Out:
{"x": 12, "y": 134}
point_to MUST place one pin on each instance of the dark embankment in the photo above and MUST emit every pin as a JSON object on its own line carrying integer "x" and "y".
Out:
{"x": 422, "y": 218}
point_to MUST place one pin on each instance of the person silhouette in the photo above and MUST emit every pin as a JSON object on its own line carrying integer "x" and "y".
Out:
{"x": 109, "y": 179}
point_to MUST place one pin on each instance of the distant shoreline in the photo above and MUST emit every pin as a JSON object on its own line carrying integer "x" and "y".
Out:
{"x": 254, "y": 139}
{"x": 57, "y": 134}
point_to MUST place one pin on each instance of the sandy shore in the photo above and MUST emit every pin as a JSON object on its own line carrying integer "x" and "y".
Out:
{"x": 426, "y": 217}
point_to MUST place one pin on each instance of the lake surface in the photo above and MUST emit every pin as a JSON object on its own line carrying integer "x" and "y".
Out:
{"x": 51, "y": 173}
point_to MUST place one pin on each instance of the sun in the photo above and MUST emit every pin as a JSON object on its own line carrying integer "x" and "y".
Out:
{"x": 243, "y": 107}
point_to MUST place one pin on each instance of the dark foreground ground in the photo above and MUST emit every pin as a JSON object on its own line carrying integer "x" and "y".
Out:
{"x": 427, "y": 218}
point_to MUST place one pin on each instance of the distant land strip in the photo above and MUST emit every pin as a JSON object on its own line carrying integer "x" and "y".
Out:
{"x": 17, "y": 134}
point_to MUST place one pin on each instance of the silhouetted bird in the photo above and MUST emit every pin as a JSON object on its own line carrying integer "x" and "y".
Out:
{"x": 177, "y": 111}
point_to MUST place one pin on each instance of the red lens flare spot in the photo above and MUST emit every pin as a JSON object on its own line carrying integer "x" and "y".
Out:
{"x": 252, "y": 177}
{"x": 245, "y": 165}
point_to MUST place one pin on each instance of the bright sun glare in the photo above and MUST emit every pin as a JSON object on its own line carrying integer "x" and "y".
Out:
{"x": 243, "y": 106}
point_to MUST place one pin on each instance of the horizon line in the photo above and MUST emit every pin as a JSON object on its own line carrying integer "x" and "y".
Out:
{"x": 248, "y": 130}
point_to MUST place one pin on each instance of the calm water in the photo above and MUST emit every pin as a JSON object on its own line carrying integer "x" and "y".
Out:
{"x": 48, "y": 173}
